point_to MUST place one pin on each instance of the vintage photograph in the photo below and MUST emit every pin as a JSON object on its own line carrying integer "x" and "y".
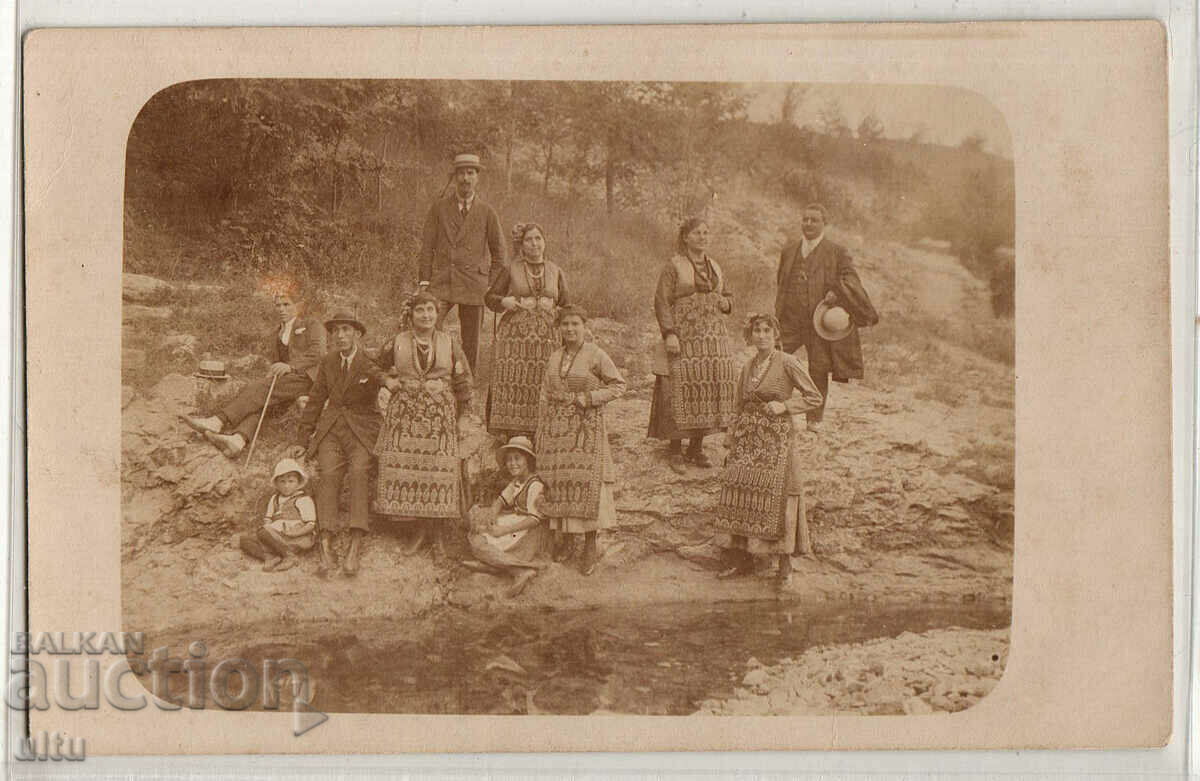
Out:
{"x": 565, "y": 397}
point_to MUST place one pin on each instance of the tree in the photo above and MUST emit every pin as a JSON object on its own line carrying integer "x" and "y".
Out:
{"x": 793, "y": 96}
{"x": 870, "y": 129}
{"x": 831, "y": 121}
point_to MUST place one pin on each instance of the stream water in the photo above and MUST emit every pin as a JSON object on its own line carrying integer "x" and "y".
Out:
{"x": 661, "y": 659}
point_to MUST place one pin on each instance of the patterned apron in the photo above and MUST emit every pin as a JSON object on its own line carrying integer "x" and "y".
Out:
{"x": 571, "y": 459}
{"x": 419, "y": 469}
{"x": 754, "y": 482}
{"x": 703, "y": 376}
{"x": 524, "y": 341}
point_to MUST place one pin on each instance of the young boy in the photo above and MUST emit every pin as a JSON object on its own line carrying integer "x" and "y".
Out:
{"x": 290, "y": 522}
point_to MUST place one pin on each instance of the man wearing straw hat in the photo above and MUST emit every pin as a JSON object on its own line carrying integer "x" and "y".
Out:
{"x": 820, "y": 302}
{"x": 296, "y": 347}
{"x": 341, "y": 434}
{"x": 462, "y": 250}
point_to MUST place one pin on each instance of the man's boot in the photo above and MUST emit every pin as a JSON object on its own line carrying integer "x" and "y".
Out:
{"x": 350, "y": 565}
{"x": 327, "y": 561}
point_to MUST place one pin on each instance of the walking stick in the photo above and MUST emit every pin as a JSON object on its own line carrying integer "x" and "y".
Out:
{"x": 263, "y": 414}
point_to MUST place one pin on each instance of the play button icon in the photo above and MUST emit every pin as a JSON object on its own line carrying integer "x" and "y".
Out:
{"x": 305, "y": 717}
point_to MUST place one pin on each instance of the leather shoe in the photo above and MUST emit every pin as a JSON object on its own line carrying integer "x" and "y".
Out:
{"x": 229, "y": 444}
{"x": 350, "y": 565}
{"x": 202, "y": 425}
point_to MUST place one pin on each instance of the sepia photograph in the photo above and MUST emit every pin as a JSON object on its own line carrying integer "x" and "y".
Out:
{"x": 716, "y": 388}
{"x": 572, "y": 397}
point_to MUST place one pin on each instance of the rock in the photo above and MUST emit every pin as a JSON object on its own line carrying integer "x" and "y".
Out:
{"x": 246, "y": 364}
{"x": 128, "y": 394}
{"x": 143, "y": 289}
{"x": 915, "y": 706}
{"x": 755, "y": 678}
{"x": 940, "y": 702}
{"x": 135, "y": 313}
{"x": 179, "y": 345}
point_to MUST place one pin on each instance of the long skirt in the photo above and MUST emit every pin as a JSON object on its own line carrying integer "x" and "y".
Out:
{"x": 606, "y": 516}
{"x": 704, "y": 376}
{"x": 420, "y": 473}
{"x": 524, "y": 341}
{"x": 760, "y": 509}
{"x": 662, "y": 414}
{"x": 572, "y": 445}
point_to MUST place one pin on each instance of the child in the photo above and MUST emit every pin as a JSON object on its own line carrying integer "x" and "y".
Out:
{"x": 289, "y": 524}
{"x": 510, "y": 535}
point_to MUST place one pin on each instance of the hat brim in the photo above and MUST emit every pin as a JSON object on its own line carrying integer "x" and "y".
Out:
{"x": 825, "y": 333}
{"x": 211, "y": 376}
{"x": 362, "y": 329}
{"x": 476, "y": 166}
{"x": 519, "y": 449}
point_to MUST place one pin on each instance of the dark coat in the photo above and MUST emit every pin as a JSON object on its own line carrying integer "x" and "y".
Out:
{"x": 830, "y": 269}
{"x": 460, "y": 258}
{"x": 305, "y": 349}
{"x": 352, "y": 399}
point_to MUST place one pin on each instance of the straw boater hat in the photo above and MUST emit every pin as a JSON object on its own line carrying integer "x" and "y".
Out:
{"x": 832, "y": 322}
{"x": 211, "y": 370}
{"x": 345, "y": 316}
{"x": 467, "y": 161}
{"x": 287, "y": 465}
{"x": 519, "y": 443}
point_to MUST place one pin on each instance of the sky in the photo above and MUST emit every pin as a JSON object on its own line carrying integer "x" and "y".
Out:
{"x": 948, "y": 114}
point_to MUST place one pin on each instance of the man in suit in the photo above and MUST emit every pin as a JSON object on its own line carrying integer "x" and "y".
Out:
{"x": 296, "y": 347}
{"x": 342, "y": 434}
{"x": 462, "y": 252}
{"x": 812, "y": 271}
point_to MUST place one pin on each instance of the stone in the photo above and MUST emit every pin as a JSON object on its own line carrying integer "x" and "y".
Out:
{"x": 915, "y": 706}
{"x": 128, "y": 394}
{"x": 179, "y": 345}
{"x": 134, "y": 313}
{"x": 755, "y": 678}
{"x": 143, "y": 289}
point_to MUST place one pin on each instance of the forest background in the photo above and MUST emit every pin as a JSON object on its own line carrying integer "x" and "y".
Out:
{"x": 331, "y": 181}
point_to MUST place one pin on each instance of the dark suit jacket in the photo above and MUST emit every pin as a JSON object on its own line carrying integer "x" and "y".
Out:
{"x": 306, "y": 346}
{"x": 460, "y": 258}
{"x": 351, "y": 398}
{"x": 830, "y": 270}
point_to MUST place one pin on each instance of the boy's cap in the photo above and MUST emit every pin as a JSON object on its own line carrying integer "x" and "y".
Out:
{"x": 290, "y": 465}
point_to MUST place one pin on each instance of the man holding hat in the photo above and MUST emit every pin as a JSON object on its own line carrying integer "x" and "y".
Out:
{"x": 462, "y": 250}
{"x": 295, "y": 346}
{"x": 342, "y": 434}
{"x": 820, "y": 303}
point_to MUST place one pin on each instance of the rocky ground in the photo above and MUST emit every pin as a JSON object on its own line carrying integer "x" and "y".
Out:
{"x": 909, "y": 494}
{"x": 939, "y": 671}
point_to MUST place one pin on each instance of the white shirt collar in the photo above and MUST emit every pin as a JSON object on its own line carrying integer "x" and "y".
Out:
{"x": 285, "y": 334}
{"x": 468, "y": 201}
{"x": 806, "y": 246}
{"x": 348, "y": 359}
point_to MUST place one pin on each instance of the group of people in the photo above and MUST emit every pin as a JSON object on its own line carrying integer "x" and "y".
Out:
{"x": 546, "y": 398}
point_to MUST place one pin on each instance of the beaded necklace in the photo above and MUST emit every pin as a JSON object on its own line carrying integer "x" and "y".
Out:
{"x": 563, "y": 373}
{"x": 430, "y": 350}
{"x": 536, "y": 281}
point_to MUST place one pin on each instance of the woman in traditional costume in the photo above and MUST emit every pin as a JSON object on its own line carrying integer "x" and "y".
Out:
{"x": 761, "y": 510}
{"x": 420, "y": 472}
{"x": 509, "y": 537}
{"x": 695, "y": 383}
{"x": 528, "y": 294}
{"x": 572, "y": 440}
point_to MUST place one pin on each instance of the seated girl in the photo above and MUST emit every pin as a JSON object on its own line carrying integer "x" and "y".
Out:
{"x": 509, "y": 537}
